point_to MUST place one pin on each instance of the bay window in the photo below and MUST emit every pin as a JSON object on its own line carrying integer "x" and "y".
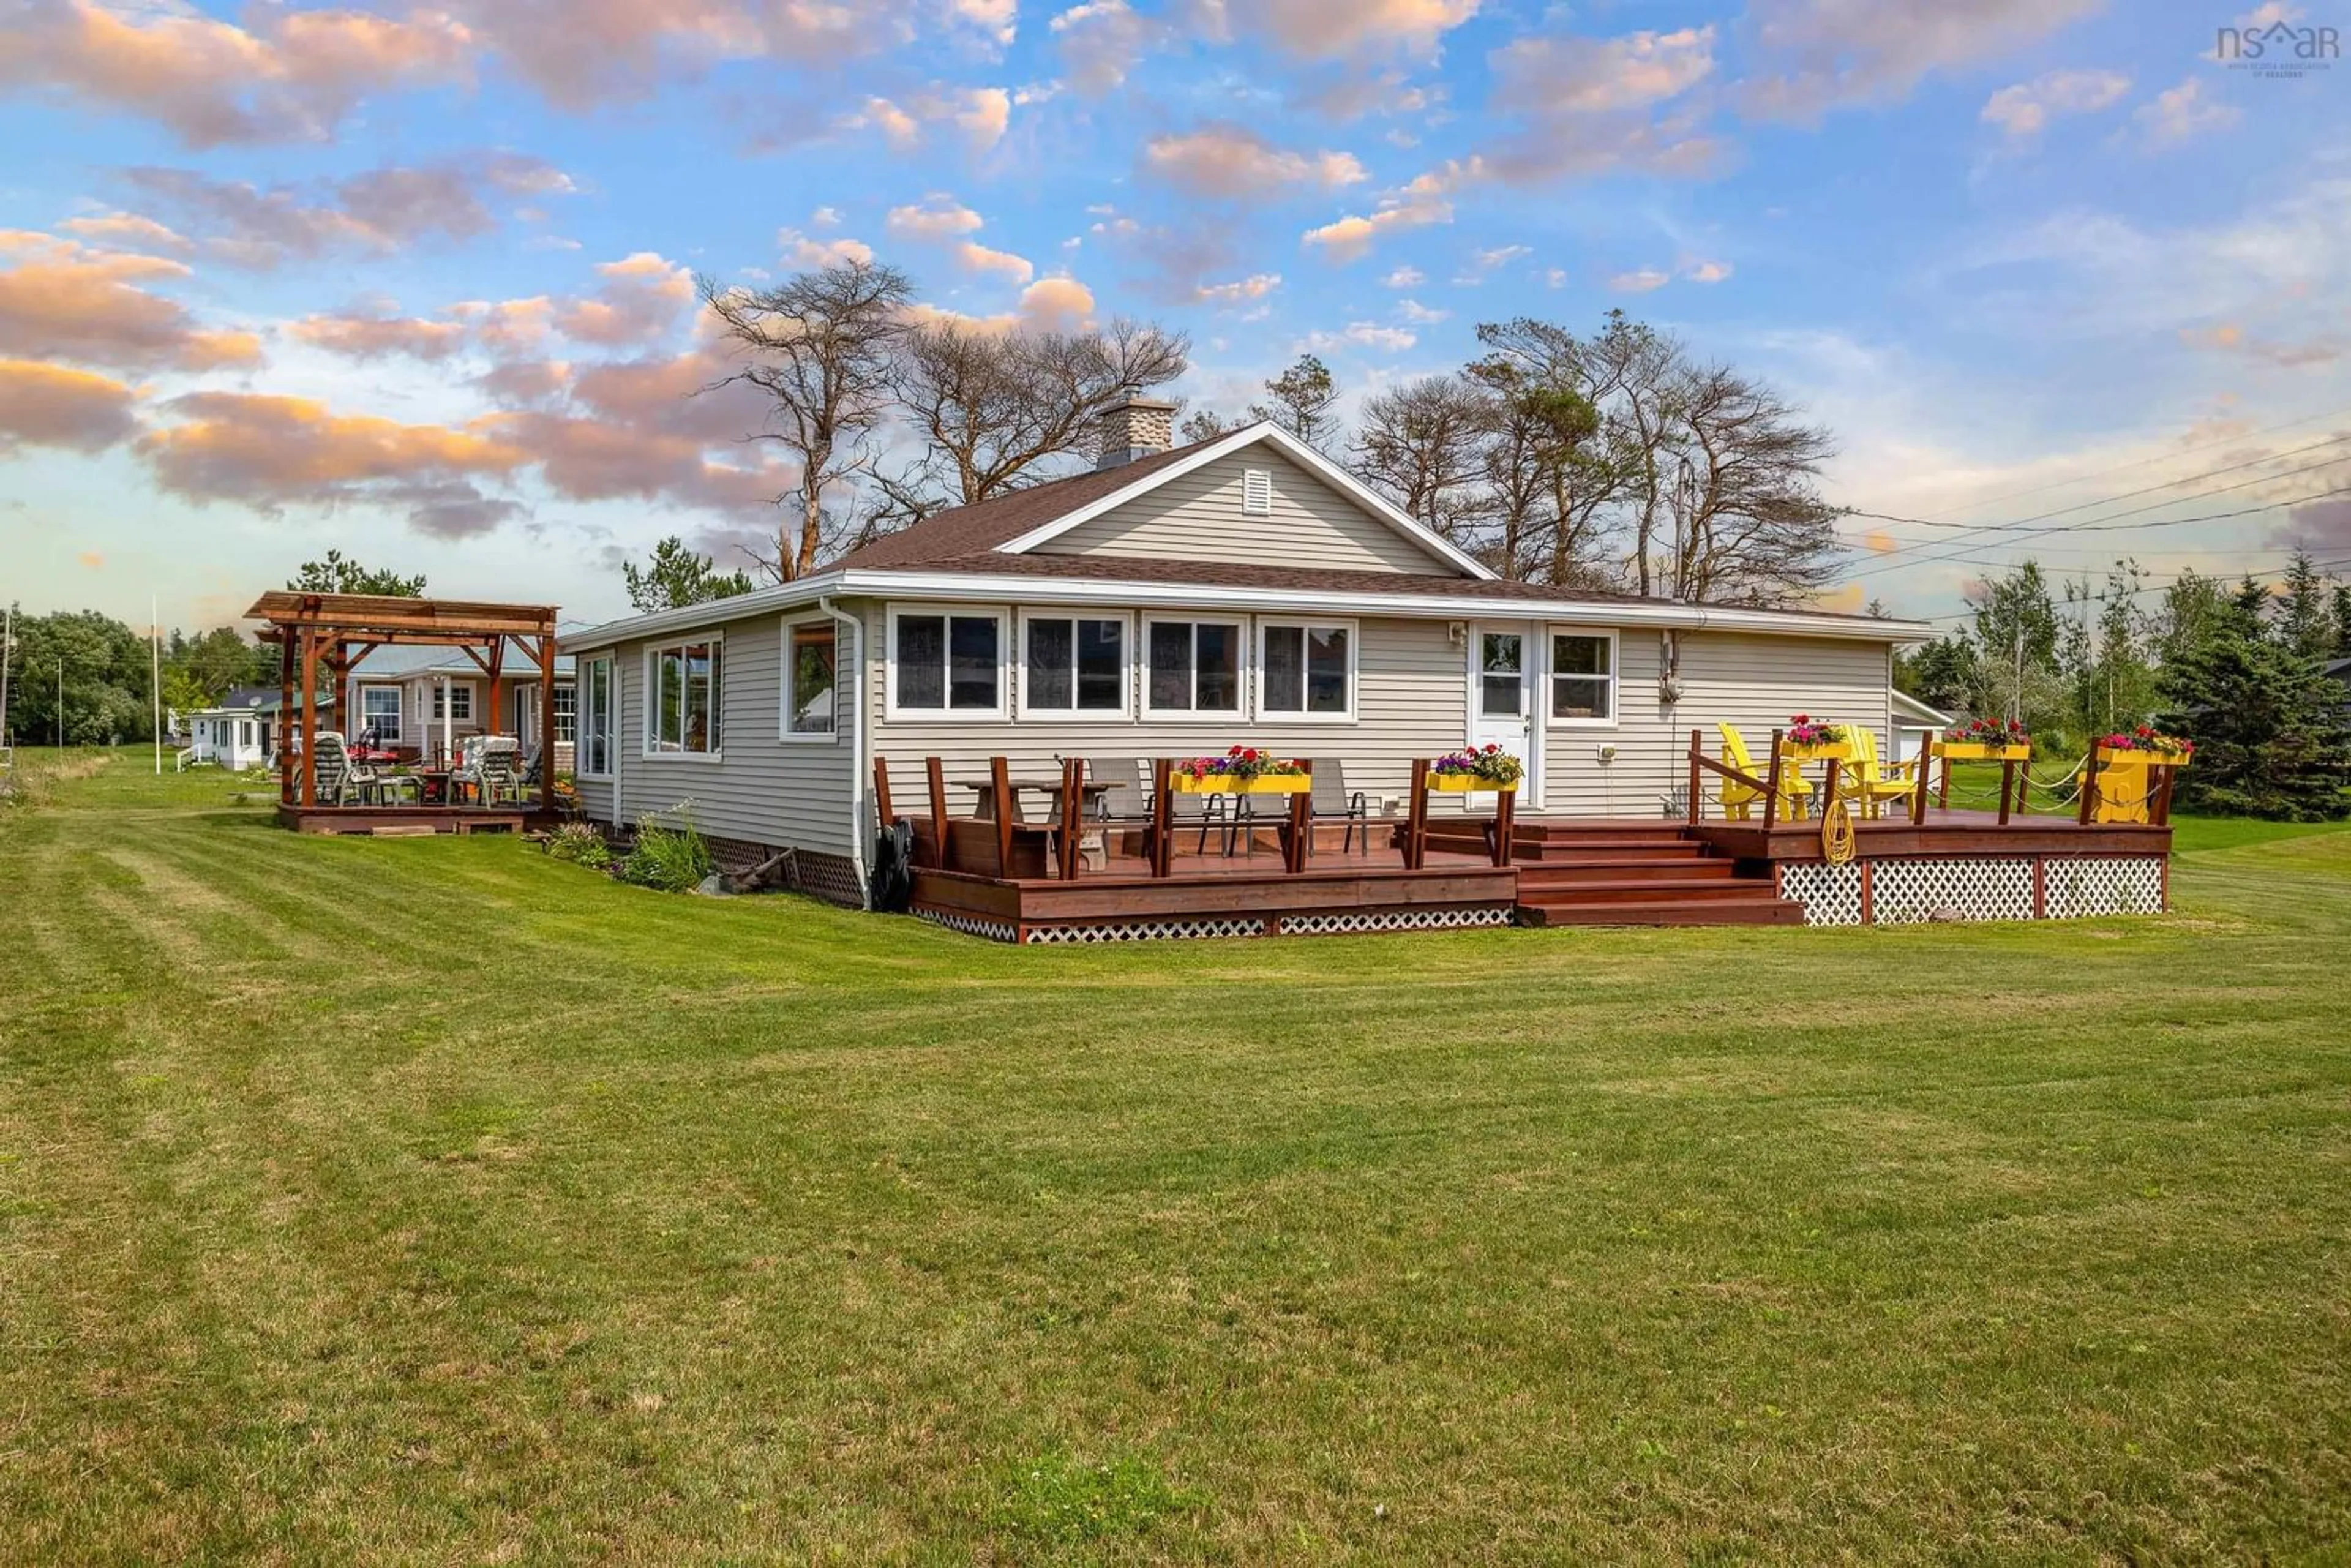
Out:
{"x": 946, "y": 664}
{"x": 684, "y": 684}
{"x": 1584, "y": 677}
{"x": 1194, "y": 669}
{"x": 1306, "y": 670}
{"x": 1072, "y": 666}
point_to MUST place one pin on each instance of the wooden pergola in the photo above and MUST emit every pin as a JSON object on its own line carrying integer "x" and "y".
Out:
{"x": 335, "y": 630}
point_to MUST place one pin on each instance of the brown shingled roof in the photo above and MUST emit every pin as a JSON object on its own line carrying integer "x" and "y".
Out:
{"x": 1243, "y": 574}
{"x": 985, "y": 525}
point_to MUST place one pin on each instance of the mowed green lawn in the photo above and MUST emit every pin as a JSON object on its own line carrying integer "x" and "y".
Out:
{"x": 429, "y": 1201}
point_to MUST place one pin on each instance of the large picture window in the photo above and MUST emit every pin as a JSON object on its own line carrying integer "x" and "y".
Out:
{"x": 684, "y": 688}
{"x": 946, "y": 664}
{"x": 379, "y": 712}
{"x": 597, "y": 702}
{"x": 1072, "y": 666}
{"x": 1584, "y": 677}
{"x": 1195, "y": 668}
{"x": 811, "y": 693}
{"x": 1306, "y": 670}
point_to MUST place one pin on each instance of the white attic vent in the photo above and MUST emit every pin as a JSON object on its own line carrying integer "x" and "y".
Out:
{"x": 1257, "y": 493}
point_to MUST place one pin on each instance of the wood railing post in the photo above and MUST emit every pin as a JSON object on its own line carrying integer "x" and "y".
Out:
{"x": 1163, "y": 814}
{"x": 881, "y": 808}
{"x": 999, "y": 783}
{"x": 1771, "y": 786}
{"x": 1693, "y": 779}
{"x": 2089, "y": 787}
{"x": 1299, "y": 828}
{"x": 2161, "y": 816}
{"x": 1415, "y": 817}
{"x": 1926, "y": 772}
{"x": 1073, "y": 773}
{"x": 2007, "y": 787}
{"x": 1506, "y": 815}
{"x": 1945, "y": 801}
{"x": 938, "y": 782}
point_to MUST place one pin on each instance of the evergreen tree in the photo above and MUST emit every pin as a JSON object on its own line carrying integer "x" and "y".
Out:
{"x": 2343, "y": 620}
{"x": 2305, "y": 617}
{"x": 1942, "y": 673}
{"x": 338, "y": 575}
{"x": 676, "y": 576}
{"x": 1304, "y": 401}
{"x": 2266, "y": 720}
{"x": 2017, "y": 632}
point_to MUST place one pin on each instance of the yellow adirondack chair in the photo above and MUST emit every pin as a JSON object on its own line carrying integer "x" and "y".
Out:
{"x": 1738, "y": 799}
{"x": 1869, "y": 781}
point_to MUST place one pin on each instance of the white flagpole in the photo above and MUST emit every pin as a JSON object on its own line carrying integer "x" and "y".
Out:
{"x": 156, "y": 677}
{"x": 7, "y": 647}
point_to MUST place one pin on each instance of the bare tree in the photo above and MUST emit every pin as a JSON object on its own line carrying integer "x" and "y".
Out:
{"x": 992, "y": 407}
{"x": 1753, "y": 527}
{"x": 821, "y": 345}
{"x": 1420, "y": 445}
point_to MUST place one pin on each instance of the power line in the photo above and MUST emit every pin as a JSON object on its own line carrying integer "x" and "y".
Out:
{"x": 2021, "y": 523}
{"x": 2163, "y": 586}
{"x": 2143, "y": 462}
{"x": 2100, "y": 526}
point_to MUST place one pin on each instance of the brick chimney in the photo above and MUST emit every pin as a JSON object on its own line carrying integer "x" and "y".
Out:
{"x": 1135, "y": 426}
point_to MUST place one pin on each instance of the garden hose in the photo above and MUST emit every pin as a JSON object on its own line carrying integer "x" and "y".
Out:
{"x": 1838, "y": 844}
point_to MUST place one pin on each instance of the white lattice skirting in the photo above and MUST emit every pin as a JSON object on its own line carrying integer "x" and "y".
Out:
{"x": 1351, "y": 923}
{"x": 1901, "y": 892}
{"x": 972, "y": 925}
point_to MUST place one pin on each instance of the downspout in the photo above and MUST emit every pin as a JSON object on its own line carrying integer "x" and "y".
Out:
{"x": 859, "y": 765}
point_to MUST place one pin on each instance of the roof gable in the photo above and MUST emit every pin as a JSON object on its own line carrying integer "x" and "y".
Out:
{"x": 1029, "y": 519}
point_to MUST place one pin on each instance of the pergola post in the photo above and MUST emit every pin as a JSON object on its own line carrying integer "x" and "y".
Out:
{"x": 547, "y": 720}
{"x": 309, "y": 719}
{"x": 498, "y": 662}
{"x": 285, "y": 718}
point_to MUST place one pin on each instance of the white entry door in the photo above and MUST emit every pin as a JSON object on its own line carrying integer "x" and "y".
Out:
{"x": 1502, "y": 695}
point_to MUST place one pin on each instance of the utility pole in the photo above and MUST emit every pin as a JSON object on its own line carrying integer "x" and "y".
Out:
{"x": 61, "y": 702}
{"x": 156, "y": 678}
{"x": 7, "y": 648}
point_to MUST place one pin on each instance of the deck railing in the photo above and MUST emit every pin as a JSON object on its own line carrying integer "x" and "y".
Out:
{"x": 999, "y": 842}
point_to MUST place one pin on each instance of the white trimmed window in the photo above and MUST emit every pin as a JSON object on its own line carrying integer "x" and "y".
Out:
{"x": 598, "y": 700}
{"x": 947, "y": 663}
{"x": 685, "y": 689}
{"x": 567, "y": 711}
{"x": 1584, "y": 677}
{"x": 813, "y": 678}
{"x": 379, "y": 711}
{"x": 1073, "y": 666}
{"x": 1306, "y": 670}
{"x": 1193, "y": 668}
{"x": 460, "y": 701}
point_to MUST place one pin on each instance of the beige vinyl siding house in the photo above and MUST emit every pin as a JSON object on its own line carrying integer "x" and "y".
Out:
{"x": 1243, "y": 589}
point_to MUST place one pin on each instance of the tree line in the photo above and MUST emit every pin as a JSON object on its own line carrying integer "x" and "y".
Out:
{"x": 2241, "y": 669}
{"x": 84, "y": 678}
{"x": 1620, "y": 461}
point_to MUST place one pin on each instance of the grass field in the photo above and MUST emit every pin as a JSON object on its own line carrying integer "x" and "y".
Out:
{"x": 428, "y": 1201}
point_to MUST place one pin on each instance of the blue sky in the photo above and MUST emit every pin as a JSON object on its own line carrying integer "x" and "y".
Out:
{"x": 416, "y": 283}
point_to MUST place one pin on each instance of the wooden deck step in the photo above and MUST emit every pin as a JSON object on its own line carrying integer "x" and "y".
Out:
{"x": 1621, "y": 868}
{"x": 1755, "y": 910}
{"x": 1706, "y": 890}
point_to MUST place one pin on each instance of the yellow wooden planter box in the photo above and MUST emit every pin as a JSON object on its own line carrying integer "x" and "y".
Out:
{"x": 1831, "y": 751}
{"x": 1978, "y": 751}
{"x": 1267, "y": 784}
{"x": 1468, "y": 784}
{"x": 2114, "y": 757}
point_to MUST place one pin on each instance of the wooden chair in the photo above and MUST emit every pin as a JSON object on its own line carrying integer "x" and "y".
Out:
{"x": 1738, "y": 799}
{"x": 1871, "y": 782}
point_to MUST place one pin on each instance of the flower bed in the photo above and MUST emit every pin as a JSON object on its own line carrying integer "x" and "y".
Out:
{"x": 1242, "y": 770}
{"x": 1476, "y": 767}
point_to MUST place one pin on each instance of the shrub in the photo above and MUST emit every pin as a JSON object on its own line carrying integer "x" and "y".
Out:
{"x": 671, "y": 858}
{"x": 581, "y": 844}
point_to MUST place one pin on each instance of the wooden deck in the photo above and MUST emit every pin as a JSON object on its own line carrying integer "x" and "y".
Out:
{"x": 402, "y": 821}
